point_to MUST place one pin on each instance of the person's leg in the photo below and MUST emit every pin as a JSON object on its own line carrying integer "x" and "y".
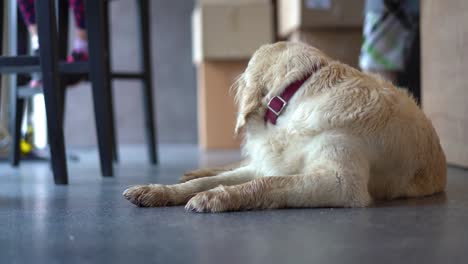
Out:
{"x": 388, "y": 34}
{"x": 80, "y": 40}
{"x": 28, "y": 11}
{"x": 80, "y": 43}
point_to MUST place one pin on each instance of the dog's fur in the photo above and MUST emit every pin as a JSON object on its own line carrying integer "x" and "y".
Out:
{"x": 345, "y": 139}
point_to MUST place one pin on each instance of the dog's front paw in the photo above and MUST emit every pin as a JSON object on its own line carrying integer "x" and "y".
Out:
{"x": 212, "y": 201}
{"x": 152, "y": 195}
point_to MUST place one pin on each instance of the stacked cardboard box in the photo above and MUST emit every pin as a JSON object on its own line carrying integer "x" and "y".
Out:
{"x": 333, "y": 26}
{"x": 225, "y": 34}
{"x": 444, "y": 44}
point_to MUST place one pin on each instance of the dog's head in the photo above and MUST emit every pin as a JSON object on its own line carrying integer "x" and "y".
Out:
{"x": 270, "y": 70}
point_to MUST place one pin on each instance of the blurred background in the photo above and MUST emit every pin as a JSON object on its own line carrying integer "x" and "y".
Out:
{"x": 173, "y": 73}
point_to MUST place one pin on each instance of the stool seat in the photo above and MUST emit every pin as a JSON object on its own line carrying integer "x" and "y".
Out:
{"x": 53, "y": 43}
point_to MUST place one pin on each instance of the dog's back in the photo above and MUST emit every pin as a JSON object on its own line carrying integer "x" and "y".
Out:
{"x": 403, "y": 149}
{"x": 406, "y": 157}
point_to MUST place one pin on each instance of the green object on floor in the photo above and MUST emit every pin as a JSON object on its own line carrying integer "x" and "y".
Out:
{"x": 26, "y": 143}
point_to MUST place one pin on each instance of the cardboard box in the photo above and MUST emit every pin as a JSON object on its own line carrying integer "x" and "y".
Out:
{"x": 230, "y": 29}
{"x": 343, "y": 45}
{"x": 444, "y": 44}
{"x": 217, "y": 111}
{"x": 313, "y": 14}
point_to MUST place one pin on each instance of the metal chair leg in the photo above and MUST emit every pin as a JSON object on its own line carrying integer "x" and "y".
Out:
{"x": 2, "y": 32}
{"x": 51, "y": 82}
{"x": 108, "y": 49}
{"x": 16, "y": 106}
{"x": 99, "y": 75}
{"x": 63, "y": 22}
{"x": 148, "y": 108}
{"x": 16, "y": 117}
{"x": 2, "y": 5}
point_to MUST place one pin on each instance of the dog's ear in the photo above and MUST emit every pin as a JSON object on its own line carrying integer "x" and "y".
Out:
{"x": 248, "y": 100}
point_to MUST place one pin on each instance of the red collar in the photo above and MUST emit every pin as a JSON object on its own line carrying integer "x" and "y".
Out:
{"x": 277, "y": 104}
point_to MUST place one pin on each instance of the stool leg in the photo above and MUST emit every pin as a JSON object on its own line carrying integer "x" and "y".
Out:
{"x": 16, "y": 106}
{"x": 51, "y": 82}
{"x": 108, "y": 49}
{"x": 148, "y": 108}
{"x": 63, "y": 18}
{"x": 16, "y": 118}
{"x": 2, "y": 5}
{"x": 99, "y": 75}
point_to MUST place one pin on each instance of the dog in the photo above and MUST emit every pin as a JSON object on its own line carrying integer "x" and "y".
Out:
{"x": 342, "y": 138}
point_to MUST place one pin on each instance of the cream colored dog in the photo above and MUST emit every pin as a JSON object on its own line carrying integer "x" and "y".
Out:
{"x": 346, "y": 138}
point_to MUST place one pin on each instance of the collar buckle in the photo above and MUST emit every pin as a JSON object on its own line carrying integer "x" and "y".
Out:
{"x": 278, "y": 102}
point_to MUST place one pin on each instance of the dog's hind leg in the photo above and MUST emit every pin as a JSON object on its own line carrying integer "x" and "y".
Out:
{"x": 155, "y": 195}
{"x": 325, "y": 190}
{"x": 208, "y": 172}
{"x": 329, "y": 184}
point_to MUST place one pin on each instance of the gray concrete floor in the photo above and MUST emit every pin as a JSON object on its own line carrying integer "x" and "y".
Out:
{"x": 89, "y": 221}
